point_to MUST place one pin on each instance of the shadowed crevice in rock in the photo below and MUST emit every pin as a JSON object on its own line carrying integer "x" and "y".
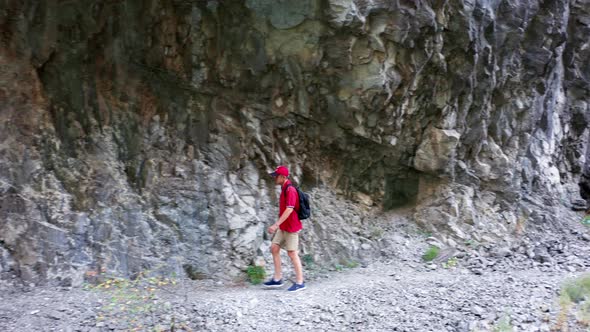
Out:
{"x": 401, "y": 191}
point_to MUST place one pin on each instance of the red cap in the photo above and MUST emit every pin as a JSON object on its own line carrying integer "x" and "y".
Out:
{"x": 281, "y": 170}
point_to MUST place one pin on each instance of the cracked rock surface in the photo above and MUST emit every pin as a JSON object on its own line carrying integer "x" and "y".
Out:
{"x": 138, "y": 134}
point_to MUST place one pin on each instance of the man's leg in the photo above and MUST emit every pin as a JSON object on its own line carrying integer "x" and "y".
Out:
{"x": 294, "y": 255}
{"x": 275, "y": 249}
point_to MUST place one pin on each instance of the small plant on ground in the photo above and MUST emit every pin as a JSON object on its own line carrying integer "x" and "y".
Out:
{"x": 376, "y": 232}
{"x": 129, "y": 300}
{"x": 450, "y": 263}
{"x": 424, "y": 233}
{"x": 578, "y": 290}
{"x": 346, "y": 264}
{"x": 307, "y": 260}
{"x": 575, "y": 294}
{"x": 431, "y": 253}
{"x": 503, "y": 325}
{"x": 351, "y": 264}
{"x": 256, "y": 274}
{"x": 586, "y": 220}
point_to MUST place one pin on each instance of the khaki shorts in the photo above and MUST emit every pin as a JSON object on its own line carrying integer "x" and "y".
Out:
{"x": 286, "y": 240}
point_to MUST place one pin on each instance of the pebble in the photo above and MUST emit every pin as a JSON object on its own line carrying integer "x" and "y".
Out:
{"x": 478, "y": 311}
{"x": 55, "y": 315}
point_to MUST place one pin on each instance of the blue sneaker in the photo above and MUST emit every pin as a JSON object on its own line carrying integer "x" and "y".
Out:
{"x": 296, "y": 287}
{"x": 274, "y": 283}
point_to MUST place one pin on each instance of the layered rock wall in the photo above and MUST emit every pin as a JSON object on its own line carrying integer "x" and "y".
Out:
{"x": 138, "y": 134}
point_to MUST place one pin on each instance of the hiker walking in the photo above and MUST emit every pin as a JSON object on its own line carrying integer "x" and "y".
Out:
{"x": 286, "y": 231}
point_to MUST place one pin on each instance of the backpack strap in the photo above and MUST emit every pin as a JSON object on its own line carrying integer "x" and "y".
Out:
{"x": 285, "y": 190}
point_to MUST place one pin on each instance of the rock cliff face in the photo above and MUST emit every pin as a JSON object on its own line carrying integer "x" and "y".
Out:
{"x": 139, "y": 134}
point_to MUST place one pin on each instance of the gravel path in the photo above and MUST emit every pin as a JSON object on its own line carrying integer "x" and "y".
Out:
{"x": 392, "y": 298}
{"x": 385, "y": 296}
{"x": 491, "y": 288}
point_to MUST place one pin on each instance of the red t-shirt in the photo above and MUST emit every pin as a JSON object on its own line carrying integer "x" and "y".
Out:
{"x": 290, "y": 199}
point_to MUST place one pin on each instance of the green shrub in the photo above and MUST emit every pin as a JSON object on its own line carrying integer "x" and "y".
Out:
{"x": 307, "y": 260}
{"x": 351, "y": 264}
{"x": 256, "y": 274}
{"x": 574, "y": 291}
{"x": 577, "y": 290}
{"x": 424, "y": 233}
{"x": 503, "y": 325}
{"x": 431, "y": 253}
{"x": 345, "y": 264}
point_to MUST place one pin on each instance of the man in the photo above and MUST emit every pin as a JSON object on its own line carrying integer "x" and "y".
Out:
{"x": 286, "y": 231}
